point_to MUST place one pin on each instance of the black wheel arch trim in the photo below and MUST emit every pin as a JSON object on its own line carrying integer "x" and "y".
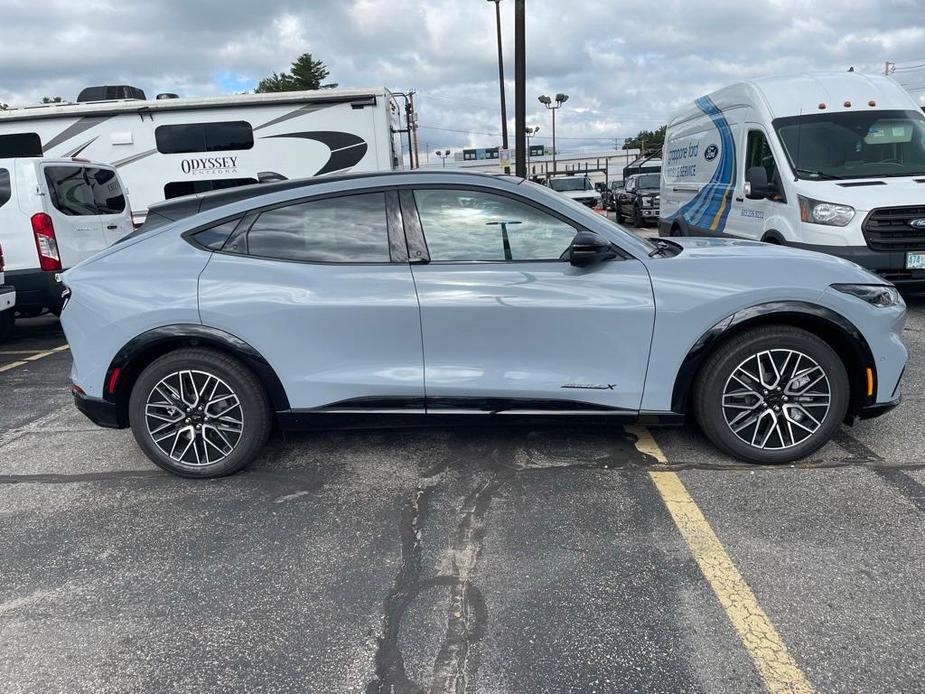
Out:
{"x": 793, "y": 312}
{"x": 133, "y": 356}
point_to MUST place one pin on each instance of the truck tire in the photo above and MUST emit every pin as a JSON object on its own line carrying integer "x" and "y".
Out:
{"x": 7, "y": 324}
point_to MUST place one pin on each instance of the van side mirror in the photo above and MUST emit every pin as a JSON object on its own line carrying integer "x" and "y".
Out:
{"x": 588, "y": 248}
{"x": 756, "y": 183}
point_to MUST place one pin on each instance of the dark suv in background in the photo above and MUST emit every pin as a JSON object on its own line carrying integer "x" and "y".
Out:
{"x": 639, "y": 199}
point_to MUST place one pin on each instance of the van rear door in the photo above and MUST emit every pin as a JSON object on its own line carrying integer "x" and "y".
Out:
{"x": 73, "y": 210}
{"x": 111, "y": 203}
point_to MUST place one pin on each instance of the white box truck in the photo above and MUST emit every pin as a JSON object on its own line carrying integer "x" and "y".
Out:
{"x": 168, "y": 147}
{"x": 826, "y": 162}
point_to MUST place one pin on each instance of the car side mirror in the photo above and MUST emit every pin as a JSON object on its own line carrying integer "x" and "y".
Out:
{"x": 588, "y": 249}
{"x": 756, "y": 183}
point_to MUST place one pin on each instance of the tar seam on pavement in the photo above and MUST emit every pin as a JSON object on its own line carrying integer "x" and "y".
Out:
{"x": 772, "y": 659}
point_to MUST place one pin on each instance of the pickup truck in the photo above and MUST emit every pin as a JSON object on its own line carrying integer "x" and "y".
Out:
{"x": 639, "y": 200}
{"x": 578, "y": 188}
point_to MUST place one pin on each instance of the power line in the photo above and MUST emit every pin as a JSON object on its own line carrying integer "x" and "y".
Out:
{"x": 906, "y": 68}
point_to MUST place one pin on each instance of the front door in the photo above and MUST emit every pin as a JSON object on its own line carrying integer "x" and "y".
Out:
{"x": 750, "y": 222}
{"x": 508, "y": 324}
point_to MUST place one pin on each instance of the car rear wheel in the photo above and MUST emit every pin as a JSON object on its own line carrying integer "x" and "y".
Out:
{"x": 199, "y": 413}
{"x": 772, "y": 395}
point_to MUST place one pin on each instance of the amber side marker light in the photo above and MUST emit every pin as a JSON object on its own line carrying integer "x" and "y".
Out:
{"x": 870, "y": 381}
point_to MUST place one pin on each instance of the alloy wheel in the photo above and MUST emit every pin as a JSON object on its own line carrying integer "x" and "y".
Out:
{"x": 194, "y": 418}
{"x": 776, "y": 399}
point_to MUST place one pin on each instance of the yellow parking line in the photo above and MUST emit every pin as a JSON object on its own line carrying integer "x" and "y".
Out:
{"x": 765, "y": 646}
{"x": 34, "y": 357}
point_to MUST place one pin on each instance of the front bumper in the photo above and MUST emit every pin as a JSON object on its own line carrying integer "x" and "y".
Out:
{"x": 881, "y": 408}
{"x": 890, "y": 265}
{"x": 101, "y": 412}
{"x": 7, "y": 297}
{"x": 649, "y": 213}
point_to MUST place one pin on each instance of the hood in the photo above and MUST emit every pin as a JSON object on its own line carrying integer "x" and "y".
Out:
{"x": 647, "y": 191}
{"x": 782, "y": 260}
{"x": 867, "y": 193}
{"x": 579, "y": 194}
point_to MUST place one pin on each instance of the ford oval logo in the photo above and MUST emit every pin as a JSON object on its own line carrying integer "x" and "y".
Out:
{"x": 917, "y": 223}
{"x": 710, "y": 152}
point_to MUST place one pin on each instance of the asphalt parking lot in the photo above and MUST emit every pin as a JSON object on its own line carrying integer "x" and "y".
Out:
{"x": 566, "y": 559}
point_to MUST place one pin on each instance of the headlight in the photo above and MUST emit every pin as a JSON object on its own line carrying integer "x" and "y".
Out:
{"x": 830, "y": 213}
{"x": 883, "y": 295}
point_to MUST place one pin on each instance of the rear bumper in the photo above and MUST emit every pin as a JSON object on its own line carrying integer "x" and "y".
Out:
{"x": 101, "y": 412}
{"x": 890, "y": 265}
{"x": 36, "y": 289}
{"x": 7, "y": 297}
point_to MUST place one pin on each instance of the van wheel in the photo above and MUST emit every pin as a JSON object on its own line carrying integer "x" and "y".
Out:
{"x": 771, "y": 395}
{"x": 199, "y": 413}
{"x": 7, "y": 324}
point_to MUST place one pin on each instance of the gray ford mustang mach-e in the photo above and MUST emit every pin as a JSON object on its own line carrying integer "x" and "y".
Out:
{"x": 415, "y": 296}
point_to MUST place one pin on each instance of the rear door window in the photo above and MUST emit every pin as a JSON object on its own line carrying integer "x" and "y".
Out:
{"x": 348, "y": 229}
{"x": 70, "y": 190}
{"x": 107, "y": 193}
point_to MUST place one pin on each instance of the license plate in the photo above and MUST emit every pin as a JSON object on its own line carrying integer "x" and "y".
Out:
{"x": 915, "y": 261}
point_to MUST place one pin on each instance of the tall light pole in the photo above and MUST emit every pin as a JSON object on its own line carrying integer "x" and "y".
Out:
{"x": 547, "y": 102}
{"x": 443, "y": 154}
{"x": 507, "y": 169}
{"x": 520, "y": 85}
{"x": 530, "y": 132}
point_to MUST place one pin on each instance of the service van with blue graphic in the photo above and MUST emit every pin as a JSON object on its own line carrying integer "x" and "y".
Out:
{"x": 826, "y": 162}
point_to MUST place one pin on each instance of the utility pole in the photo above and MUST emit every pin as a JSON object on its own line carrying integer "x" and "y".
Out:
{"x": 504, "y": 142}
{"x": 520, "y": 87}
{"x": 413, "y": 124}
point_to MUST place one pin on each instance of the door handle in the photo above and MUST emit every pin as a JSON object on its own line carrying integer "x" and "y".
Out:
{"x": 112, "y": 226}
{"x": 738, "y": 199}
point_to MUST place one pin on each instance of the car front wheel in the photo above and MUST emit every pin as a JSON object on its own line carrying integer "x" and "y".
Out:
{"x": 199, "y": 413}
{"x": 772, "y": 395}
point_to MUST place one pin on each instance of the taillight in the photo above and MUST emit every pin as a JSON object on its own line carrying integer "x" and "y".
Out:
{"x": 46, "y": 244}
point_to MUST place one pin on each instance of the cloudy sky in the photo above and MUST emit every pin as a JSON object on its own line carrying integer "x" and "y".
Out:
{"x": 626, "y": 64}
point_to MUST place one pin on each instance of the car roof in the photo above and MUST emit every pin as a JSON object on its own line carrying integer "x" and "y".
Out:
{"x": 179, "y": 208}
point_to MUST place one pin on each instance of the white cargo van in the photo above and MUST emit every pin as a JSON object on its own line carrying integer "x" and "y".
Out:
{"x": 827, "y": 162}
{"x": 53, "y": 214}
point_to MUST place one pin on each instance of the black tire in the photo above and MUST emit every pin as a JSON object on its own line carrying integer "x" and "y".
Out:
{"x": 638, "y": 221}
{"x": 716, "y": 419}
{"x": 7, "y": 324}
{"x": 619, "y": 214}
{"x": 254, "y": 413}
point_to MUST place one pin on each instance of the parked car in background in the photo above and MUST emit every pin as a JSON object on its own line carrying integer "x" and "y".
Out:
{"x": 55, "y": 213}
{"x": 578, "y": 188}
{"x": 609, "y": 195}
{"x": 7, "y": 296}
{"x": 333, "y": 301}
{"x": 827, "y": 162}
{"x": 639, "y": 199}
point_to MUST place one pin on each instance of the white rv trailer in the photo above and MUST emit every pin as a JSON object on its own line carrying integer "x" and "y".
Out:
{"x": 168, "y": 147}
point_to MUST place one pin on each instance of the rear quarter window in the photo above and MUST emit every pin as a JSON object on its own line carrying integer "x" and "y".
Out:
{"x": 5, "y": 187}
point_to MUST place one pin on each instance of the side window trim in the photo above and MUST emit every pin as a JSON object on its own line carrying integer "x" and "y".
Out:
{"x": 414, "y": 231}
{"x": 398, "y": 246}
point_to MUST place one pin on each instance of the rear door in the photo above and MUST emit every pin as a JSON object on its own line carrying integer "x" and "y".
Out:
{"x": 509, "y": 325}
{"x": 73, "y": 210}
{"x": 111, "y": 203}
{"x": 323, "y": 290}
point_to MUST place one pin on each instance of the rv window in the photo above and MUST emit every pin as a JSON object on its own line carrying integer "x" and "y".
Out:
{"x": 107, "y": 193}
{"x": 20, "y": 145}
{"x": 350, "y": 229}
{"x": 69, "y": 189}
{"x": 176, "y": 189}
{"x": 4, "y": 187}
{"x": 204, "y": 137}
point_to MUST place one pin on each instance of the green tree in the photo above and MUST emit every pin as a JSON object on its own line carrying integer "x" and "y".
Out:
{"x": 305, "y": 73}
{"x": 647, "y": 141}
{"x": 52, "y": 99}
{"x": 4, "y": 107}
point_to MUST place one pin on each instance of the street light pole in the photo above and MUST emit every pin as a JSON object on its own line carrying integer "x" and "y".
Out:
{"x": 520, "y": 85}
{"x": 547, "y": 102}
{"x": 530, "y": 132}
{"x": 443, "y": 154}
{"x": 504, "y": 142}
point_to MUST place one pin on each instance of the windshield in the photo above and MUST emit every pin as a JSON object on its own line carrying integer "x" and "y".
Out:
{"x": 648, "y": 181}
{"x": 564, "y": 184}
{"x": 864, "y": 144}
